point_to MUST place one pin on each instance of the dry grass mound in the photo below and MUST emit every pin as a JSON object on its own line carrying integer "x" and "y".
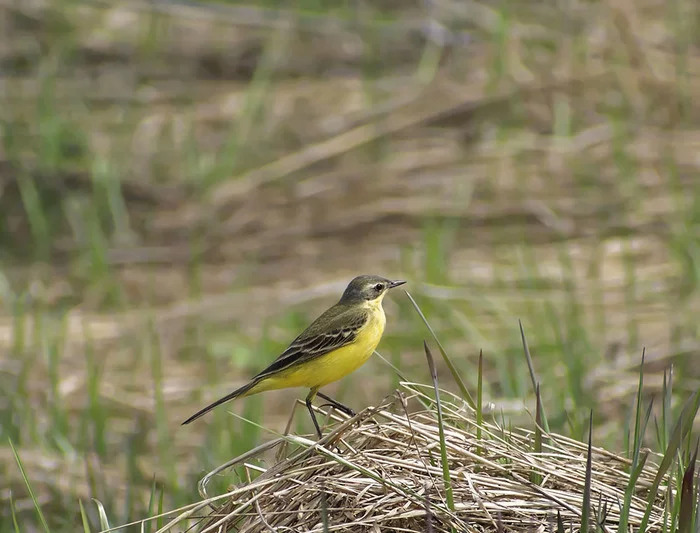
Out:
{"x": 382, "y": 471}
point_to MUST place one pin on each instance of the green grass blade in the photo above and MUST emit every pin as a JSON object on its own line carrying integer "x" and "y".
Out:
{"x": 687, "y": 504}
{"x": 668, "y": 506}
{"x": 146, "y": 526}
{"x": 531, "y": 368}
{"x": 39, "y": 225}
{"x": 453, "y": 370}
{"x": 423, "y": 402}
{"x": 682, "y": 427}
{"x": 640, "y": 424}
{"x": 666, "y": 407}
{"x": 13, "y": 511}
{"x": 586, "y": 506}
{"x": 39, "y": 512}
{"x": 480, "y": 401}
{"x": 638, "y": 462}
{"x": 441, "y": 430}
{"x": 602, "y": 514}
{"x": 84, "y": 517}
{"x": 636, "y": 442}
{"x": 528, "y": 357}
{"x": 104, "y": 521}
{"x": 535, "y": 476}
{"x": 560, "y": 523}
{"x": 161, "y": 517}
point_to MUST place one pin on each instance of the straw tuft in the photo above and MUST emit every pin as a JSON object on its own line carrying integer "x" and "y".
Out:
{"x": 381, "y": 471}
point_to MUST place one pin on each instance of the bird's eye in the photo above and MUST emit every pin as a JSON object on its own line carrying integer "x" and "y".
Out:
{"x": 379, "y": 287}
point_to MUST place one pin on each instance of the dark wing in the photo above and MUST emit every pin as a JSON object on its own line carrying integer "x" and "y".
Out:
{"x": 334, "y": 329}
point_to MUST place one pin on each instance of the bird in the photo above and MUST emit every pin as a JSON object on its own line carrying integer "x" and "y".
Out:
{"x": 334, "y": 345}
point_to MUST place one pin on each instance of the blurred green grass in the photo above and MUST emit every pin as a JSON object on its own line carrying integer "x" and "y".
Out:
{"x": 106, "y": 355}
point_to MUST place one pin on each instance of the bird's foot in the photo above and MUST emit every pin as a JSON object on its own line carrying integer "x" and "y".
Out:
{"x": 341, "y": 408}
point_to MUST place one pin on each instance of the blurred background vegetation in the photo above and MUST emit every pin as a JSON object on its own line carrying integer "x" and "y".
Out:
{"x": 183, "y": 186}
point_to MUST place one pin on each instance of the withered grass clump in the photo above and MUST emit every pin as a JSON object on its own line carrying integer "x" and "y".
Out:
{"x": 382, "y": 471}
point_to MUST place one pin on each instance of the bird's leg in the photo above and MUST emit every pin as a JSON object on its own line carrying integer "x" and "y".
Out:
{"x": 343, "y": 408}
{"x": 309, "y": 399}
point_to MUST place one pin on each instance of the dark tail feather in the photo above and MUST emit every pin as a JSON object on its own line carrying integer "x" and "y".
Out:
{"x": 235, "y": 394}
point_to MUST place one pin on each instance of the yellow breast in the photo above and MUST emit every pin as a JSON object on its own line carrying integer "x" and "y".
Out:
{"x": 337, "y": 364}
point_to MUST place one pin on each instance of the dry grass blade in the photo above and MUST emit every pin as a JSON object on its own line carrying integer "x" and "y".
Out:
{"x": 385, "y": 477}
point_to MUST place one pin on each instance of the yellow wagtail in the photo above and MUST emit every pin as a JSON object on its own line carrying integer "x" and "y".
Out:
{"x": 335, "y": 344}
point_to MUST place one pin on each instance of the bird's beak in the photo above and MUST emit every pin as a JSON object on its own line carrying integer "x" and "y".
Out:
{"x": 396, "y": 283}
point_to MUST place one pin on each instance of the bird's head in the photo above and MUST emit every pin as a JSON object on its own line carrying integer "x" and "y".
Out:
{"x": 368, "y": 288}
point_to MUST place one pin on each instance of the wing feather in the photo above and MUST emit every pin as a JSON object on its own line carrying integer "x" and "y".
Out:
{"x": 340, "y": 332}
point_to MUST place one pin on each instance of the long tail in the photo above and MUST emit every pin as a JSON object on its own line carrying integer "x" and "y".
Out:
{"x": 235, "y": 394}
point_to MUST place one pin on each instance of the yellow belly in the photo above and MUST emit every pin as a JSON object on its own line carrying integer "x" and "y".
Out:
{"x": 332, "y": 366}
